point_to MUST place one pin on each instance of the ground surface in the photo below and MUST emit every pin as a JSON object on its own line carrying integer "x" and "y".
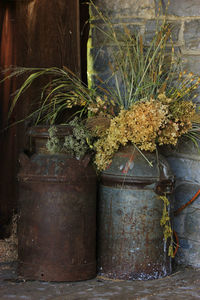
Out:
{"x": 183, "y": 284}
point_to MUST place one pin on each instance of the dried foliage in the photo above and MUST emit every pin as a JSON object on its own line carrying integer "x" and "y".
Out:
{"x": 76, "y": 143}
{"x": 146, "y": 124}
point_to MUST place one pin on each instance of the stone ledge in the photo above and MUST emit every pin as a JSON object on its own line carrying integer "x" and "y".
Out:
{"x": 182, "y": 8}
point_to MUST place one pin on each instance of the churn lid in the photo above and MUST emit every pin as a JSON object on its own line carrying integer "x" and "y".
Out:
{"x": 131, "y": 165}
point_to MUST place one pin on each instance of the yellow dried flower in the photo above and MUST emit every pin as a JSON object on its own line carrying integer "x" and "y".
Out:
{"x": 146, "y": 124}
{"x": 107, "y": 145}
{"x": 180, "y": 75}
{"x": 182, "y": 110}
{"x": 164, "y": 99}
{"x": 143, "y": 121}
{"x": 169, "y": 134}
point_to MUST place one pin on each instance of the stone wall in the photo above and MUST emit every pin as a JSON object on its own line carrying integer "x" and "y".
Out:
{"x": 183, "y": 15}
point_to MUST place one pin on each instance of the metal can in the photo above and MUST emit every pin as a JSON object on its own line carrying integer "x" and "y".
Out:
{"x": 187, "y": 224}
{"x": 184, "y": 160}
{"x": 57, "y": 216}
{"x": 130, "y": 238}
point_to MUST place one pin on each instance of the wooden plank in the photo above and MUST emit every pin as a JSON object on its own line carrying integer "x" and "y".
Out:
{"x": 8, "y": 153}
{"x": 48, "y": 33}
{"x": 84, "y": 32}
{"x": 39, "y": 34}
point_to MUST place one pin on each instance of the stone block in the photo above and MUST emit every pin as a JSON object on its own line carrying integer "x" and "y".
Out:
{"x": 141, "y": 8}
{"x": 102, "y": 34}
{"x": 101, "y": 59}
{"x": 152, "y": 26}
{"x": 182, "y": 8}
{"x": 191, "y": 63}
{"x": 192, "y": 34}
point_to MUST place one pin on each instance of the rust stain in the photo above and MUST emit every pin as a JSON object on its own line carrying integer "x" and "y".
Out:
{"x": 128, "y": 165}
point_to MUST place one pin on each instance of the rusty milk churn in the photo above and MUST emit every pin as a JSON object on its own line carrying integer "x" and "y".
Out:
{"x": 184, "y": 160}
{"x": 57, "y": 214}
{"x": 131, "y": 244}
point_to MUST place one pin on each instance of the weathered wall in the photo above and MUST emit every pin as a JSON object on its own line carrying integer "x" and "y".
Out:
{"x": 140, "y": 15}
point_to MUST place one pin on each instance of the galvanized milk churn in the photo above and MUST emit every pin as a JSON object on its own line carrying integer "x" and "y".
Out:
{"x": 130, "y": 238}
{"x": 187, "y": 224}
{"x": 184, "y": 161}
{"x": 57, "y": 214}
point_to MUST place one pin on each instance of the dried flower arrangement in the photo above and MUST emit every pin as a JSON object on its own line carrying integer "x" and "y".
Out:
{"x": 150, "y": 101}
{"x": 146, "y": 100}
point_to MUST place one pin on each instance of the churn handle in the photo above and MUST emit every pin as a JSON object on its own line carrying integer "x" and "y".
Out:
{"x": 86, "y": 160}
{"x": 23, "y": 159}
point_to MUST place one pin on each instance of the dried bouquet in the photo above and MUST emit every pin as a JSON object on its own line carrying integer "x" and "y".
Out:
{"x": 146, "y": 98}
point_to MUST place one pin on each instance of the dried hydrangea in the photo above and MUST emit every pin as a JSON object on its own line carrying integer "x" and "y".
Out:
{"x": 144, "y": 121}
{"x": 78, "y": 142}
{"x": 108, "y": 144}
{"x": 181, "y": 114}
{"x": 146, "y": 124}
{"x": 53, "y": 144}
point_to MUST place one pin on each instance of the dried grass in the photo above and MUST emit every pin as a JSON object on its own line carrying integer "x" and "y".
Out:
{"x": 8, "y": 247}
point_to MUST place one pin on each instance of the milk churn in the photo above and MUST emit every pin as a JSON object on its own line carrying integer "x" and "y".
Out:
{"x": 187, "y": 224}
{"x": 184, "y": 160}
{"x": 57, "y": 214}
{"x": 130, "y": 238}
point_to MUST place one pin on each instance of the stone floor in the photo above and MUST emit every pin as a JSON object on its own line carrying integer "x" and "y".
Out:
{"x": 183, "y": 284}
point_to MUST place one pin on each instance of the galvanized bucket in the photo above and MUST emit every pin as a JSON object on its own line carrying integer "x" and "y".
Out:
{"x": 130, "y": 238}
{"x": 185, "y": 163}
{"x": 57, "y": 216}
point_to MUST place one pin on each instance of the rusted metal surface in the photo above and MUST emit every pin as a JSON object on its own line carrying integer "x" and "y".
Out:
{"x": 57, "y": 223}
{"x": 130, "y": 238}
{"x": 39, "y": 136}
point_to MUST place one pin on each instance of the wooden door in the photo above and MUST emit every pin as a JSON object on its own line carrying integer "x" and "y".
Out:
{"x": 34, "y": 33}
{"x": 8, "y": 157}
